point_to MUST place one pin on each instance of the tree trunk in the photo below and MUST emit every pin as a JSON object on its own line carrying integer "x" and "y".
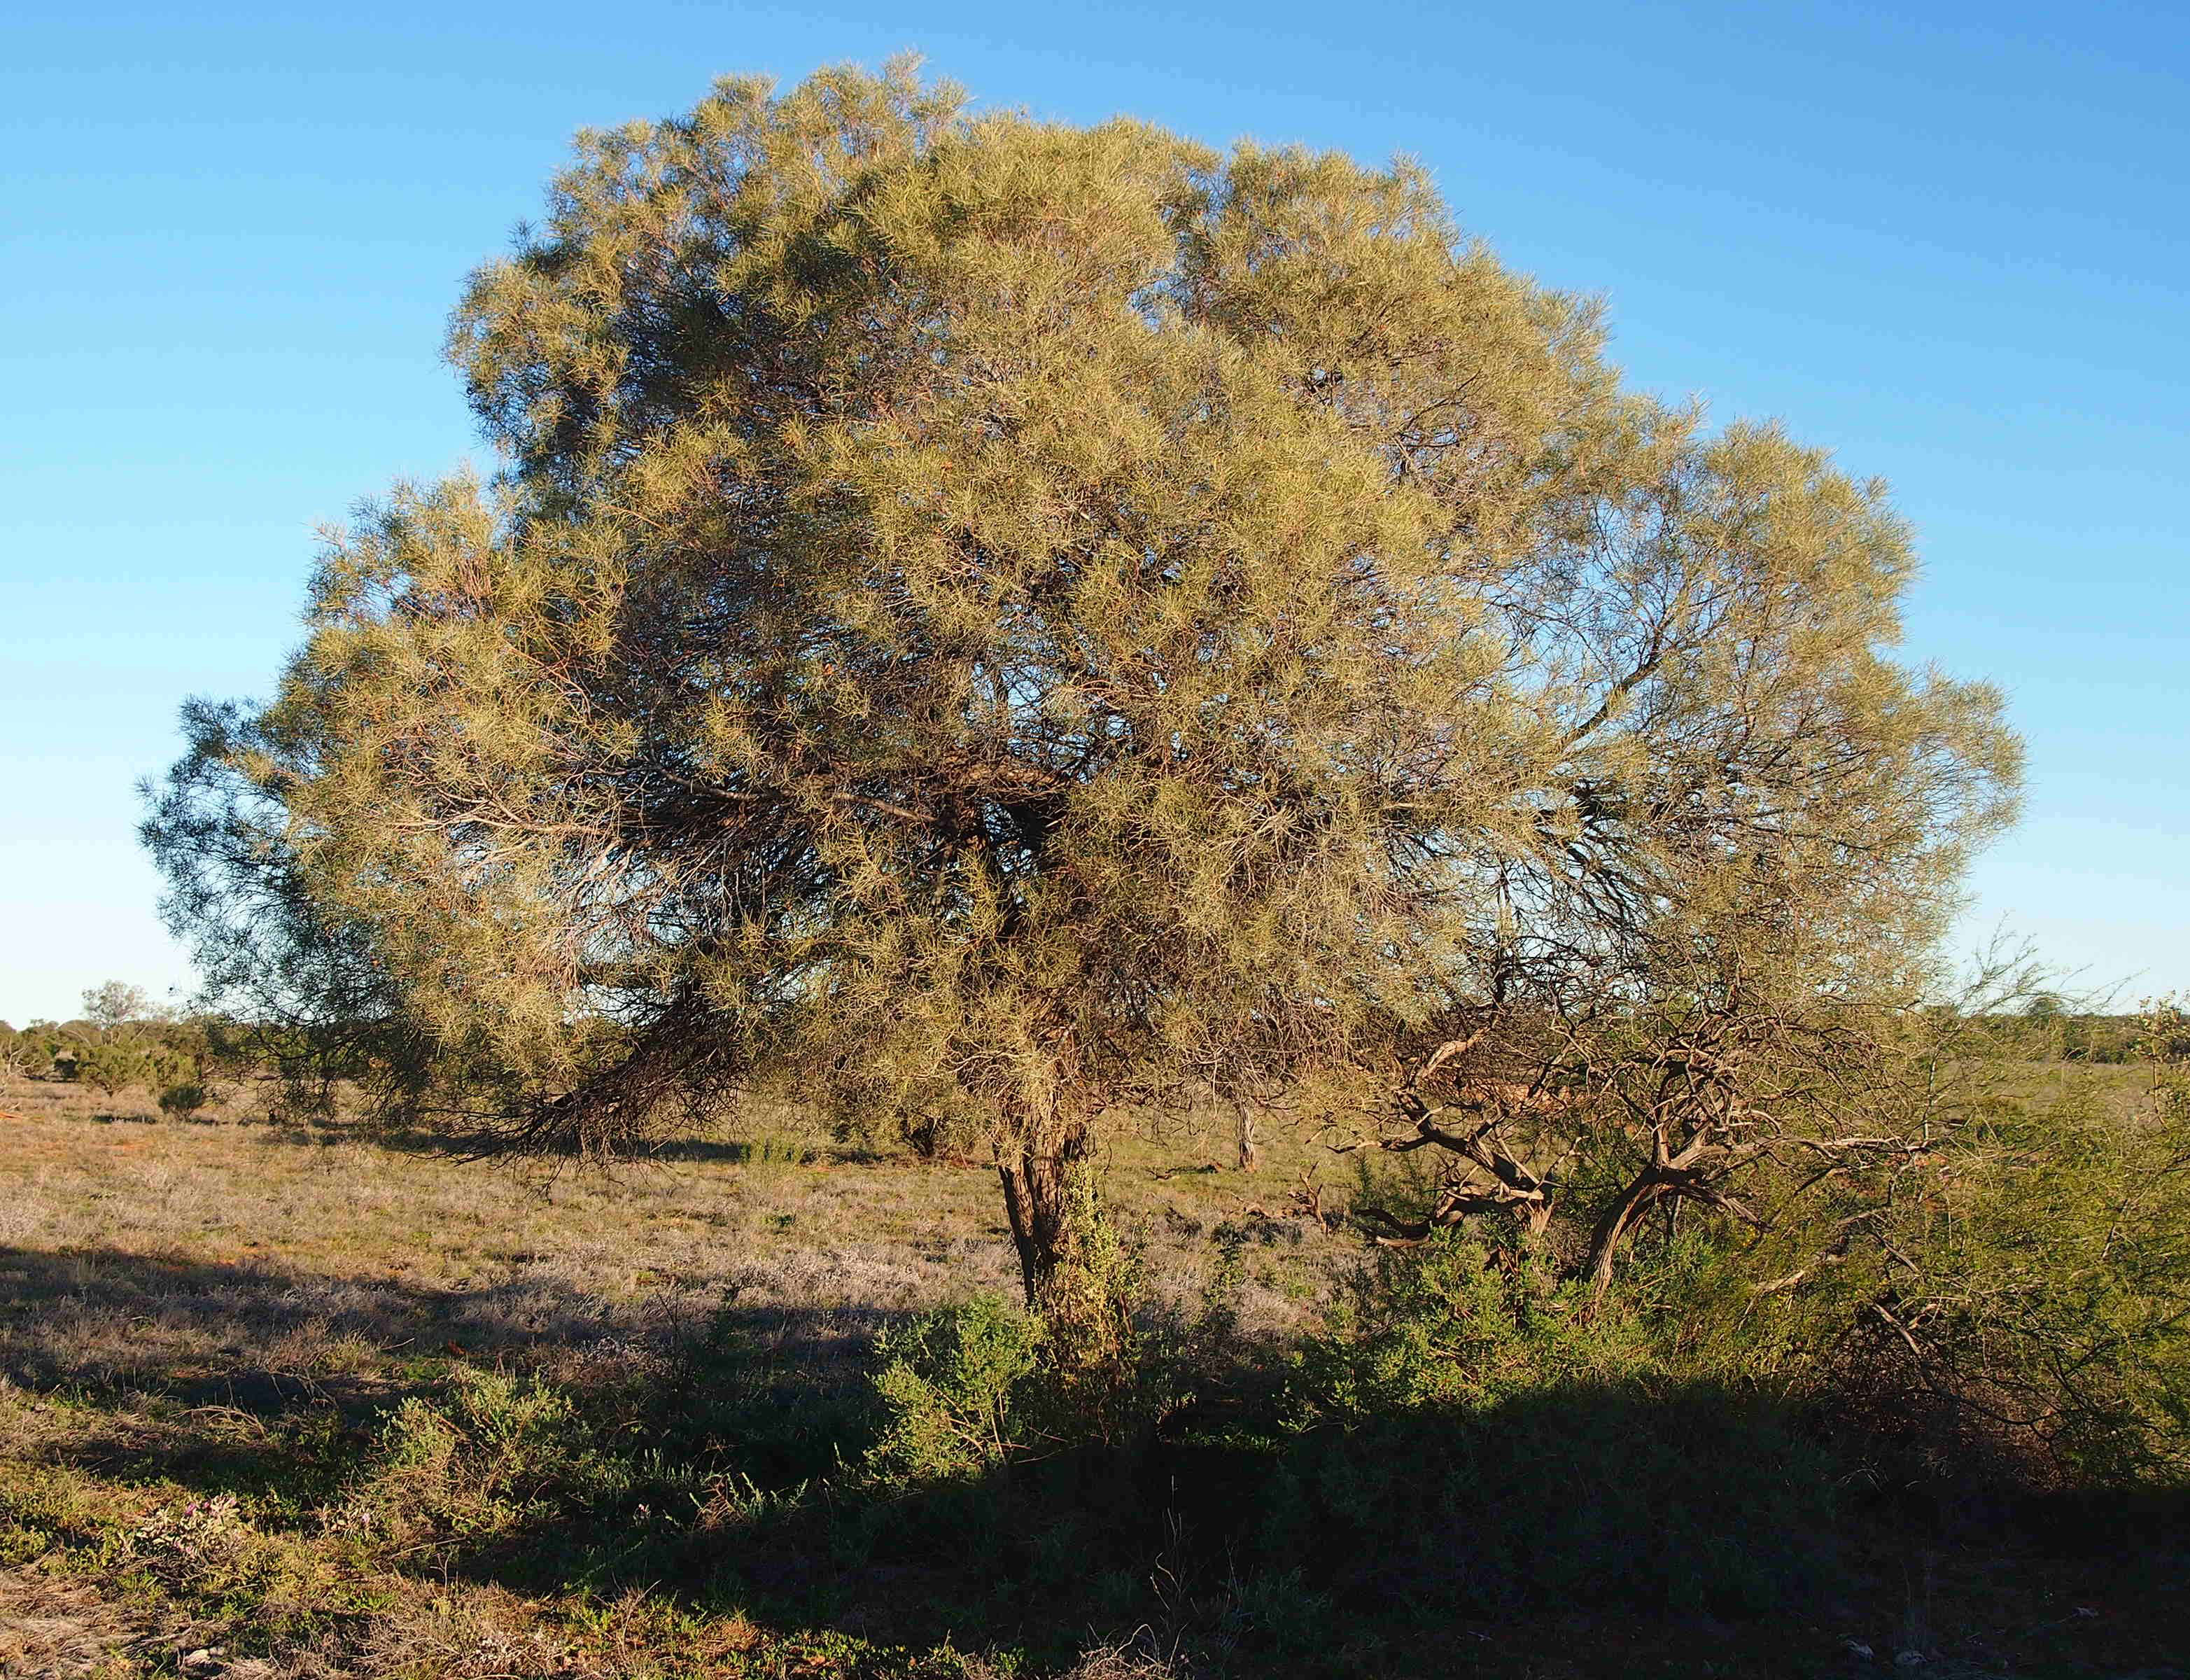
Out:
{"x": 1250, "y": 1147}
{"x": 1619, "y": 1219}
{"x": 1036, "y": 1172}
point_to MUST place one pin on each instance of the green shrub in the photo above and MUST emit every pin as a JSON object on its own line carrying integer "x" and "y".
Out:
{"x": 2042, "y": 1289}
{"x": 184, "y": 1100}
{"x": 1094, "y": 1382}
{"x": 34, "y": 1055}
{"x": 1469, "y": 1421}
{"x": 947, "y": 1382}
{"x": 113, "y": 1067}
{"x": 774, "y": 1148}
{"x": 2010, "y": 1307}
{"x": 671, "y": 1464}
{"x": 494, "y": 1456}
{"x": 1453, "y": 1323}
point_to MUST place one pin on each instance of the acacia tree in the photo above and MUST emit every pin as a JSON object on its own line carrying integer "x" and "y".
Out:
{"x": 1044, "y": 619}
{"x": 18, "y": 1051}
{"x": 291, "y": 982}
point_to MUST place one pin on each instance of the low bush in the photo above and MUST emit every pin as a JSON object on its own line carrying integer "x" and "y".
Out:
{"x": 473, "y": 1469}
{"x": 952, "y": 1385}
{"x": 184, "y": 1100}
{"x": 1472, "y": 1430}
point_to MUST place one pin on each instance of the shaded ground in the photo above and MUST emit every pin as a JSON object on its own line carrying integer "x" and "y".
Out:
{"x": 68, "y": 1629}
{"x": 203, "y": 1329}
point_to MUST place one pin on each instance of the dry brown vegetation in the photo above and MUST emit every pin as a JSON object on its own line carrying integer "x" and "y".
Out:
{"x": 162, "y": 1240}
{"x": 190, "y": 1310}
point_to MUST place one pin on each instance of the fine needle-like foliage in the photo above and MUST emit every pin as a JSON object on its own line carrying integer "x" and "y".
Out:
{"x": 988, "y": 612}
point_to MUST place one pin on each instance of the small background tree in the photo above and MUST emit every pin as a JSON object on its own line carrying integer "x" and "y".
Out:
{"x": 113, "y": 1067}
{"x": 114, "y": 1005}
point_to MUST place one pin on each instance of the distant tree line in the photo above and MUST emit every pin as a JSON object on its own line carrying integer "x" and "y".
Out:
{"x": 123, "y": 1041}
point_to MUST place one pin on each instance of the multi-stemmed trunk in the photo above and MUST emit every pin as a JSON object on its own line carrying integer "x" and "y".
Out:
{"x": 1038, "y": 1167}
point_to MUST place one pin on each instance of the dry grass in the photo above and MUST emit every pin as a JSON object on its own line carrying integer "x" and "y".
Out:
{"x": 181, "y": 1303}
{"x": 217, "y": 1253}
{"x": 68, "y": 1630}
{"x": 175, "y": 1296}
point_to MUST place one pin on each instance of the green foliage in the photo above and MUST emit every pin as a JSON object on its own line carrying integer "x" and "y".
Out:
{"x": 2060, "y": 1299}
{"x": 941, "y": 1133}
{"x": 1086, "y": 1304}
{"x": 2039, "y": 1285}
{"x": 115, "y": 1066}
{"x": 122, "y": 1039}
{"x": 948, "y": 1381}
{"x": 1468, "y": 1421}
{"x": 289, "y": 984}
{"x": 1453, "y": 1325}
{"x": 772, "y": 1150}
{"x": 1471, "y": 1418}
{"x": 2001, "y": 1301}
{"x": 711, "y": 1444}
{"x": 185, "y": 1099}
{"x": 495, "y": 1455}
{"x": 967, "y": 1388}
{"x": 2059, "y": 1034}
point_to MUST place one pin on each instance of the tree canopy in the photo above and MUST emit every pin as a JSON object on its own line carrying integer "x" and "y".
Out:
{"x": 1056, "y": 617}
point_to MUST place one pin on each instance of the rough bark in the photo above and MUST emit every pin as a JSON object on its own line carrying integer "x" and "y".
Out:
{"x": 1617, "y": 1220}
{"x": 1036, "y": 1172}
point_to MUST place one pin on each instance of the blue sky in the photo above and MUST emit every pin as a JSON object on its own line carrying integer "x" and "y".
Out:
{"x": 1949, "y": 240}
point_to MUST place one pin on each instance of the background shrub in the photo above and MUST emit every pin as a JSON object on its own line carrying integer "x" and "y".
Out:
{"x": 184, "y": 1100}
{"x": 113, "y": 1067}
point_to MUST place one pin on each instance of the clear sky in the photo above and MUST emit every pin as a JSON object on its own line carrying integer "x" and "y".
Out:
{"x": 1948, "y": 240}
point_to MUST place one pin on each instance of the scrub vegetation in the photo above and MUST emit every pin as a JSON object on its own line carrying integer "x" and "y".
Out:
{"x": 313, "y": 1398}
{"x": 1096, "y": 922}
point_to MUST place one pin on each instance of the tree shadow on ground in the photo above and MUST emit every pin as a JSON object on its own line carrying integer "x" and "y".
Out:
{"x": 227, "y": 1376}
{"x": 722, "y": 1454}
{"x": 475, "y": 1145}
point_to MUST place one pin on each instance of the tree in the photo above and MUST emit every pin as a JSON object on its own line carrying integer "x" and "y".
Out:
{"x": 38, "y": 1049}
{"x": 1062, "y": 619}
{"x": 290, "y": 983}
{"x": 115, "y": 1004}
{"x": 114, "y": 1065}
